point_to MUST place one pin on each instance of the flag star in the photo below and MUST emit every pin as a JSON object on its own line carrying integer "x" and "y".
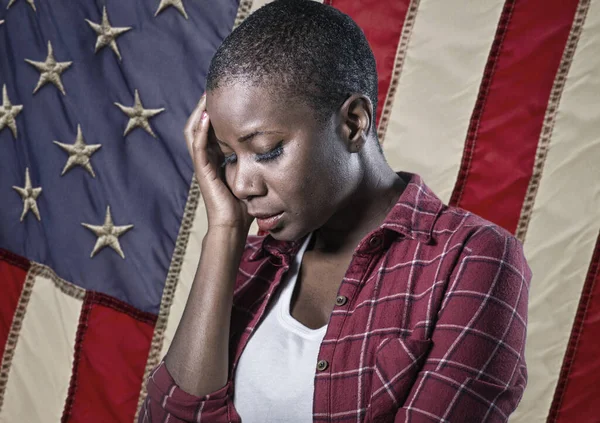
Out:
{"x": 79, "y": 153}
{"x": 138, "y": 116}
{"x": 8, "y": 112}
{"x": 29, "y": 196}
{"x": 31, "y": 3}
{"x": 107, "y": 35}
{"x": 178, "y": 4}
{"x": 50, "y": 70}
{"x": 108, "y": 234}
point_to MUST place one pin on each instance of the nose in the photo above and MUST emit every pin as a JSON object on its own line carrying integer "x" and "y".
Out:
{"x": 246, "y": 180}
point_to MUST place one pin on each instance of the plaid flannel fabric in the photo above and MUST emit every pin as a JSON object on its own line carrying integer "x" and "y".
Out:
{"x": 432, "y": 328}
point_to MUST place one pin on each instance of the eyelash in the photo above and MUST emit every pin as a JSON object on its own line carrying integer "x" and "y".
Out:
{"x": 271, "y": 155}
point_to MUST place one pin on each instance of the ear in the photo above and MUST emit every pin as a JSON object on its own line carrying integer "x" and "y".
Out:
{"x": 356, "y": 119}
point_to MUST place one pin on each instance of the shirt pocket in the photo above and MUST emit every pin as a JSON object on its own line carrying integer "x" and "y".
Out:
{"x": 397, "y": 363}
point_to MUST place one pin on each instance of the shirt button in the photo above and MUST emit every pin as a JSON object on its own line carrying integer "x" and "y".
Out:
{"x": 375, "y": 241}
{"x": 341, "y": 300}
{"x": 322, "y": 365}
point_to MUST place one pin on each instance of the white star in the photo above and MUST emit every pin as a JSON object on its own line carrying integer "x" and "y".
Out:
{"x": 107, "y": 35}
{"x": 8, "y": 112}
{"x": 29, "y": 196}
{"x": 138, "y": 116}
{"x": 79, "y": 153}
{"x": 108, "y": 234}
{"x": 50, "y": 70}
{"x": 178, "y": 4}
{"x": 31, "y": 3}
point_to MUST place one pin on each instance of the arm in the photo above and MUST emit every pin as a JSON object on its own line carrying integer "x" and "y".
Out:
{"x": 475, "y": 370}
{"x": 198, "y": 357}
{"x": 191, "y": 383}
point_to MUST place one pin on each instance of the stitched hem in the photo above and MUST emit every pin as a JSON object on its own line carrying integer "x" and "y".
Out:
{"x": 407, "y": 29}
{"x": 13, "y": 334}
{"x": 14, "y": 259}
{"x": 550, "y": 118}
{"x": 169, "y": 289}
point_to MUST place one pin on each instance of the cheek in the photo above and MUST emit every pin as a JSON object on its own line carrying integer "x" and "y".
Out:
{"x": 316, "y": 181}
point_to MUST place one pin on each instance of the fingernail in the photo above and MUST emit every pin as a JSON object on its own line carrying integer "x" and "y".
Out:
{"x": 204, "y": 115}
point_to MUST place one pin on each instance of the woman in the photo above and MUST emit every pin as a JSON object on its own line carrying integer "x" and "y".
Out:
{"x": 368, "y": 299}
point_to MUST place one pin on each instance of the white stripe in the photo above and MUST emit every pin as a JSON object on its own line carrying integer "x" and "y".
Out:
{"x": 438, "y": 87}
{"x": 564, "y": 224}
{"x": 43, "y": 360}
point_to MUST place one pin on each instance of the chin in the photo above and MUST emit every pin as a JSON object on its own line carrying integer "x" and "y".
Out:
{"x": 288, "y": 233}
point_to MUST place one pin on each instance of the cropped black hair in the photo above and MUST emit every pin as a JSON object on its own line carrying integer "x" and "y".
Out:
{"x": 311, "y": 51}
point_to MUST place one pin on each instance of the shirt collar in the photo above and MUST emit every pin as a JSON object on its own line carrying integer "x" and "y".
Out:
{"x": 416, "y": 211}
{"x": 413, "y": 216}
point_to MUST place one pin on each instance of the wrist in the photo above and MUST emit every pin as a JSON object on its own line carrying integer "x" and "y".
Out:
{"x": 230, "y": 235}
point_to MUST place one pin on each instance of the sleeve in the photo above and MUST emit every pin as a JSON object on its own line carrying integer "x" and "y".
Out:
{"x": 167, "y": 402}
{"x": 475, "y": 368}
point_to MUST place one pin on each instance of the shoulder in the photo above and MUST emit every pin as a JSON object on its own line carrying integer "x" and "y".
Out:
{"x": 474, "y": 232}
{"x": 486, "y": 249}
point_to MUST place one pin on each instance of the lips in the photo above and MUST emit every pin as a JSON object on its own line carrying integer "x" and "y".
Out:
{"x": 268, "y": 222}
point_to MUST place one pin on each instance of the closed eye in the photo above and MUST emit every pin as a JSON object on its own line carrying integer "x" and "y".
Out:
{"x": 274, "y": 153}
{"x": 271, "y": 155}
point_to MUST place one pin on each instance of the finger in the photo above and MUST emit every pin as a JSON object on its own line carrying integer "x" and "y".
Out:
{"x": 194, "y": 118}
{"x": 193, "y": 121}
{"x": 199, "y": 143}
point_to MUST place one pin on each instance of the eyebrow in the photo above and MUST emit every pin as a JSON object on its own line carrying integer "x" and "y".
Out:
{"x": 249, "y": 136}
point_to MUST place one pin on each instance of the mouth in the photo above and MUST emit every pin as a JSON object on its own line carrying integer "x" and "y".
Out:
{"x": 268, "y": 222}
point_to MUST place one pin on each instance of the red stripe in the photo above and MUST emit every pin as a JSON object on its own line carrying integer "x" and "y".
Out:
{"x": 13, "y": 271}
{"x": 578, "y": 389}
{"x": 507, "y": 120}
{"x": 382, "y": 23}
{"x": 111, "y": 349}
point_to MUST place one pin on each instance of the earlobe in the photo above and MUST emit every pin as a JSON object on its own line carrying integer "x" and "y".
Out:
{"x": 357, "y": 144}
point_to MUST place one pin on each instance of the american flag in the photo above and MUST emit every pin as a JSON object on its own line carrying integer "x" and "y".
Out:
{"x": 496, "y": 104}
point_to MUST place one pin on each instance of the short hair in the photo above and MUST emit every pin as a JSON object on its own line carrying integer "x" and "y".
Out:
{"x": 312, "y": 51}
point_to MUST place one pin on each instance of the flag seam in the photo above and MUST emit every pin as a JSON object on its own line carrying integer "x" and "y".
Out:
{"x": 407, "y": 30}
{"x": 15, "y": 329}
{"x": 550, "y": 118}
{"x": 170, "y": 286}
{"x": 14, "y": 259}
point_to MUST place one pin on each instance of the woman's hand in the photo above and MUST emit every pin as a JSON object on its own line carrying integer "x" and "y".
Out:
{"x": 222, "y": 207}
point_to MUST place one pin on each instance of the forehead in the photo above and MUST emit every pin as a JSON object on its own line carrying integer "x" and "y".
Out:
{"x": 239, "y": 108}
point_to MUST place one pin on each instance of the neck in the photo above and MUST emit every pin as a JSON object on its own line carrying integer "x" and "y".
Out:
{"x": 375, "y": 196}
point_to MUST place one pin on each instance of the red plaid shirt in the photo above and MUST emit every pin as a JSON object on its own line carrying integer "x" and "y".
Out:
{"x": 429, "y": 325}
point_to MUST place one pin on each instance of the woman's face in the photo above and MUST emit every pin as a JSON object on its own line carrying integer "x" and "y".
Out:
{"x": 279, "y": 160}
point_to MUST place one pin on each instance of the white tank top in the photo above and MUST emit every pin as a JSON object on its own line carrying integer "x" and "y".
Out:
{"x": 274, "y": 379}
